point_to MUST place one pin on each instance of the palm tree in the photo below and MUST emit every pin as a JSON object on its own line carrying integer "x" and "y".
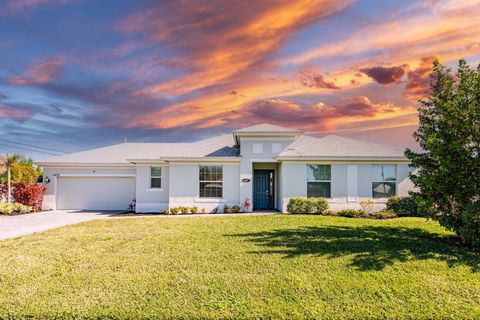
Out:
{"x": 6, "y": 163}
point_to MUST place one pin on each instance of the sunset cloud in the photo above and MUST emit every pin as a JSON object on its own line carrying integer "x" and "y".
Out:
{"x": 418, "y": 84}
{"x": 315, "y": 80}
{"x": 221, "y": 41}
{"x": 85, "y": 75}
{"x": 385, "y": 75}
{"x": 42, "y": 72}
{"x": 15, "y": 112}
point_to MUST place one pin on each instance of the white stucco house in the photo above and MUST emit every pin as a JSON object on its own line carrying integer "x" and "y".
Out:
{"x": 265, "y": 163}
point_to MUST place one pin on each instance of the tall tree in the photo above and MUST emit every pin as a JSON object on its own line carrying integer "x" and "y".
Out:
{"x": 7, "y": 162}
{"x": 448, "y": 171}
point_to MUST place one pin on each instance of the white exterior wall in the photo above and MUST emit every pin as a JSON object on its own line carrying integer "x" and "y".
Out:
{"x": 184, "y": 186}
{"x": 293, "y": 177}
{"x": 249, "y": 157}
{"x": 50, "y": 198}
{"x": 148, "y": 199}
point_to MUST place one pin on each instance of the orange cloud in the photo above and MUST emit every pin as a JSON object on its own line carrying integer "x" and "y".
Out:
{"x": 418, "y": 84}
{"x": 216, "y": 42}
{"x": 41, "y": 72}
{"x": 315, "y": 80}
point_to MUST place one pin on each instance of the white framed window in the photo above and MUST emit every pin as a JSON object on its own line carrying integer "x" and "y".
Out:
{"x": 319, "y": 180}
{"x": 257, "y": 148}
{"x": 277, "y": 148}
{"x": 384, "y": 180}
{"x": 211, "y": 181}
{"x": 155, "y": 177}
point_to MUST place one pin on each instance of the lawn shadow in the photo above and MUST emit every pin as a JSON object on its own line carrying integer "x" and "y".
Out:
{"x": 373, "y": 247}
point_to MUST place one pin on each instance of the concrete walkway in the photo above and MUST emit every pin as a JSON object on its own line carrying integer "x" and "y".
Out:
{"x": 21, "y": 225}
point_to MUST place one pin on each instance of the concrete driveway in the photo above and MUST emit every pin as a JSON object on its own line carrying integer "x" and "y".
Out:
{"x": 16, "y": 226}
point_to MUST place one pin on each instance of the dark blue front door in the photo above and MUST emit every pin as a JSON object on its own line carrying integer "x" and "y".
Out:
{"x": 263, "y": 187}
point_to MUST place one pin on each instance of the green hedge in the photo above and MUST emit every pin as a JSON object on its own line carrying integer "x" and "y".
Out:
{"x": 406, "y": 207}
{"x": 14, "y": 208}
{"x": 307, "y": 205}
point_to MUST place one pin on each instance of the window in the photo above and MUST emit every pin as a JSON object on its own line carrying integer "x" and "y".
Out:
{"x": 155, "y": 177}
{"x": 383, "y": 180}
{"x": 318, "y": 180}
{"x": 257, "y": 148}
{"x": 277, "y": 148}
{"x": 211, "y": 181}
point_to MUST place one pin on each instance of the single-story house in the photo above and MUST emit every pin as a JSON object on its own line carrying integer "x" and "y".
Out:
{"x": 266, "y": 164}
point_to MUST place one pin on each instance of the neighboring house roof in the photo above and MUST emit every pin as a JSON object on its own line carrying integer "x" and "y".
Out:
{"x": 225, "y": 147}
{"x": 333, "y": 147}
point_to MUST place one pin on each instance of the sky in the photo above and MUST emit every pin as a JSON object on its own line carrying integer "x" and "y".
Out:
{"x": 81, "y": 74}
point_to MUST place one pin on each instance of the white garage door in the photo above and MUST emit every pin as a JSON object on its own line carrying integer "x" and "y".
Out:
{"x": 95, "y": 193}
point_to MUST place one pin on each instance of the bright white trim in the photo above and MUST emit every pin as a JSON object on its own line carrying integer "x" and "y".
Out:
{"x": 344, "y": 160}
{"x": 95, "y": 175}
{"x": 204, "y": 159}
{"x": 209, "y": 200}
{"x": 155, "y": 189}
{"x": 83, "y": 164}
{"x": 352, "y": 182}
{"x": 263, "y": 160}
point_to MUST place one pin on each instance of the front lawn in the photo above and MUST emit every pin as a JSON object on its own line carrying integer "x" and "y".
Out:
{"x": 248, "y": 267}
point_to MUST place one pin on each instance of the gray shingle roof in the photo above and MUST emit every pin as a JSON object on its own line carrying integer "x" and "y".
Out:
{"x": 329, "y": 147}
{"x": 337, "y": 147}
{"x": 221, "y": 146}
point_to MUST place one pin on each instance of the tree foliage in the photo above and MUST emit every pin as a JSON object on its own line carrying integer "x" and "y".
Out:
{"x": 448, "y": 171}
{"x": 22, "y": 170}
{"x": 26, "y": 194}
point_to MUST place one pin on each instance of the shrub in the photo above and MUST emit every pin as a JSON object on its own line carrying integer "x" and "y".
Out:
{"x": 235, "y": 209}
{"x": 307, "y": 205}
{"x": 28, "y": 194}
{"x": 164, "y": 211}
{"x": 174, "y": 210}
{"x": 215, "y": 210}
{"x": 384, "y": 214}
{"x": 204, "y": 211}
{"x": 226, "y": 209}
{"x": 351, "y": 213}
{"x": 367, "y": 206}
{"x": 406, "y": 207}
{"x": 184, "y": 210}
{"x": 14, "y": 208}
{"x": 194, "y": 210}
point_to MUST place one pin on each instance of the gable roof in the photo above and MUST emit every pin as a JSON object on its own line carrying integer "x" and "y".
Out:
{"x": 266, "y": 128}
{"x": 334, "y": 147}
{"x": 224, "y": 147}
{"x": 220, "y": 146}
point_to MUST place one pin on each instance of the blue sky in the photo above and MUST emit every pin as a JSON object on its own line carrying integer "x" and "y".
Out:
{"x": 79, "y": 74}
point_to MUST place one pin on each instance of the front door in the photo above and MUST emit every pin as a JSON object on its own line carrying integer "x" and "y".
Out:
{"x": 263, "y": 189}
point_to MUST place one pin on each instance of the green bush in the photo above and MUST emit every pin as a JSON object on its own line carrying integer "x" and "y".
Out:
{"x": 351, "y": 213}
{"x": 307, "y": 205}
{"x": 14, "y": 208}
{"x": 194, "y": 210}
{"x": 204, "y": 211}
{"x": 174, "y": 210}
{"x": 384, "y": 214}
{"x": 367, "y": 205}
{"x": 215, "y": 210}
{"x": 164, "y": 211}
{"x": 226, "y": 209}
{"x": 236, "y": 209}
{"x": 405, "y": 207}
{"x": 184, "y": 210}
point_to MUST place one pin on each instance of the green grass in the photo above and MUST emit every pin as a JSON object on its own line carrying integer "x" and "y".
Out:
{"x": 240, "y": 267}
